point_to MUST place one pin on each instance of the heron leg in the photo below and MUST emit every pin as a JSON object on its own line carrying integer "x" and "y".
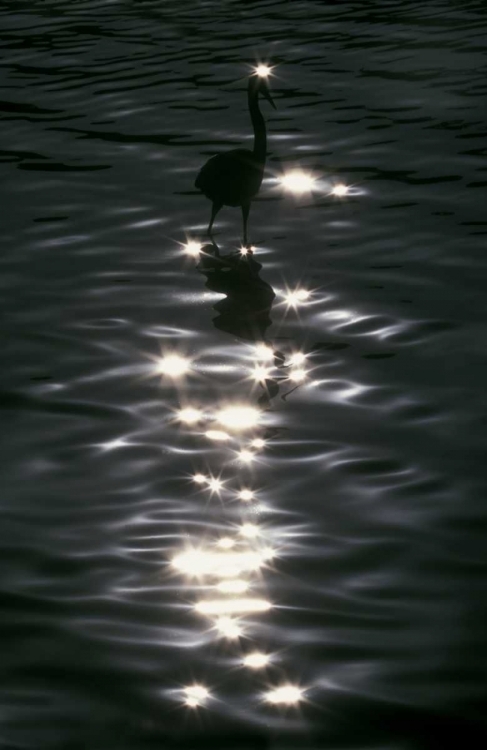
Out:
{"x": 214, "y": 210}
{"x": 245, "y": 215}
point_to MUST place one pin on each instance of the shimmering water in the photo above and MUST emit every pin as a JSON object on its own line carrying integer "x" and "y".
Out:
{"x": 356, "y": 566}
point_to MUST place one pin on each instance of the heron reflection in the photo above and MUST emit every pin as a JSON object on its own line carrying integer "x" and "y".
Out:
{"x": 234, "y": 178}
{"x": 245, "y": 311}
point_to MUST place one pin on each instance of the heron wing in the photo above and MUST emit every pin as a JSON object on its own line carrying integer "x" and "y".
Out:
{"x": 226, "y": 174}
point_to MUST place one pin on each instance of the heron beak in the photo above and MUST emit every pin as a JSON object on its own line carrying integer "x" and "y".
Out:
{"x": 267, "y": 94}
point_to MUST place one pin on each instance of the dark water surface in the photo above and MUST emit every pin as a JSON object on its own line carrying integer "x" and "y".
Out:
{"x": 369, "y": 491}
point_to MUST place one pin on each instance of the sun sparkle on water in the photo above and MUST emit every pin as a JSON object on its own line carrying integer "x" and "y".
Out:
{"x": 256, "y": 660}
{"x": 239, "y": 417}
{"x": 249, "y": 530}
{"x": 263, "y": 70}
{"x": 215, "y": 485}
{"x": 236, "y": 586}
{"x": 220, "y": 564}
{"x": 340, "y": 190}
{"x": 226, "y": 542}
{"x": 246, "y": 456}
{"x": 246, "y": 495}
{"x": 287, "y": 694}
{"x": 296, "y": 296}
{"x": 195, "y": 695}
{"x": 260, "y": 373}
{"x": 192, "y": 248}
{"x": 228, "y": 627}
{"x": 298, "y": 358}
{"x": 217, "y": 435}
{"x": 173, "y": 365}
{"x": 298, "y": 375}
{"x": 232, "y": 606}
{"x": 190, "y": 415}
{"x": 298, "y": 182}
{"x": 264, "y": 352}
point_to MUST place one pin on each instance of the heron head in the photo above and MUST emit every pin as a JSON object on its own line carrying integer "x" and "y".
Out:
{"x": 265, "y": 91}
{"x": 259, "y": 82}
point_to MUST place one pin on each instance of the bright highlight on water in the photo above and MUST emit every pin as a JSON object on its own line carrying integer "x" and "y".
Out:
{"x": 298, "y": 375}
{"x": 192, "y": 248}
{"x": 215, "y": 485}
{"x": 228, "y": 627}
{"x": 264, "y": 352}
{"x": 220, "y": 564}
{"x": 260, "y": 373}
{"x": 196, "y": 695}
{"x": 298, "y": 182}
{"x": 232, "y": 587}
{"x": 246, "y": 495}
{"x": 239, "y": 417}
{"x": 190, "y": 416}
{"x": 246, "y": 456}
{"x": 249, "y": 530}
{"x": 232, "y": 606}
{"x": 263, "y": 70}
{"x": 286, "y": 694}
{"x": 217, "y": 435}
{"x": 173, "y": 365}
{"x": 256, "y": 660}
{"x": 226, "y": 542}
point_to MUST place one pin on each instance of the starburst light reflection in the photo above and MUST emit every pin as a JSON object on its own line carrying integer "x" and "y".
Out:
{"x": 298, "y": 358}
{"x": 225, "y": 543}
{"x": 263, "y": 352}
{"x": 215, "y": 485}
{"x": 296, "y": 296}
{"x": 228, "y": 627}
{"x": 256, "y": 660}
{"x": 298, "y": 375}
{"x": 190, "y": 415}
{"x": 246, "y": 495}
{"x": 286, "y": 694}
{"x": 199, "y": 478}
{"x": 173, "y": 365}
{"x": 298, "y": 182}
{"x": 246, "y": 456}
{"x": 258, "y": 443}
{"x": 237, "y": 586}
{"x": 340, "y": 190}
{"x": 261, "y": 373}
{"x": 239, "y": 417}
{"x": 263, "y": 70}
{"x": 222, "y": 564}
{"x": 192, "y": 248}
{"x": 217, "y": 435}
{"x": 232, "y": 606}
{"x": 249, "y": 530}
{"x": 196, "y": 695}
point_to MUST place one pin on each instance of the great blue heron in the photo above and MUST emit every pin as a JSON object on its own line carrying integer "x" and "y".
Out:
{"x": 234, "y": 178}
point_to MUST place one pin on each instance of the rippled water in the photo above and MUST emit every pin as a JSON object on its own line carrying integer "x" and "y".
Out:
{"x": 368, "y": 492}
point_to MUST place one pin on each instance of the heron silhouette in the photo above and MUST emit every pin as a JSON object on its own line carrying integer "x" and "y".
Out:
{"x": 234, "y": 178}
{"x": 245, "y": 311}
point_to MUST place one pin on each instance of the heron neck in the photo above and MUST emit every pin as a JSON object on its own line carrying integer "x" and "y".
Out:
{"x": 260, "y": 141}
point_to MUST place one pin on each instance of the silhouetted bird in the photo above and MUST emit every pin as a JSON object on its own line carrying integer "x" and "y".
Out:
{"x": 234, "y": 178}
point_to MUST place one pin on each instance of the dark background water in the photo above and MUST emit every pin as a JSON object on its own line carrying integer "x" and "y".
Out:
{"x": 372, "y": 486}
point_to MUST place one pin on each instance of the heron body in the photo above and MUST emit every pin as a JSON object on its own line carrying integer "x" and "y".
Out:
{"x": 234, "y": 178}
